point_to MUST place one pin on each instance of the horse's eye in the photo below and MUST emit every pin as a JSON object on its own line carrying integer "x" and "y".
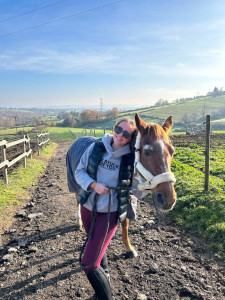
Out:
{"x": 171, "y": 150}
{"x": 147, "y": 152}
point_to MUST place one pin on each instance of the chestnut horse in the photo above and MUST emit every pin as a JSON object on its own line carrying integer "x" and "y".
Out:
{"x": 153, "y": 155}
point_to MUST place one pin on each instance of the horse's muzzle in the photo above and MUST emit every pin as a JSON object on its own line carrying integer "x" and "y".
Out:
{"x": 163, "y": 201}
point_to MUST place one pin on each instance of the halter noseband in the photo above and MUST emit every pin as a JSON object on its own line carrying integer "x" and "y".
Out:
{"x": 147, "y": 179}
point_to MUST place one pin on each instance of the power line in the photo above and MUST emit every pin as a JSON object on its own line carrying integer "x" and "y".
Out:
{"x": 60, "y": 19}
{"x": 28, "y": 12}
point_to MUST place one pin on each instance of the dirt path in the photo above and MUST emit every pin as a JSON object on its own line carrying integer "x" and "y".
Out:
{"x": 41, "y": 260}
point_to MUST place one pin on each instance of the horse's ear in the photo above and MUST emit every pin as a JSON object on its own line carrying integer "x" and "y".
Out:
{"x": 141, "y": 125}
{"x": 167, "y": 125}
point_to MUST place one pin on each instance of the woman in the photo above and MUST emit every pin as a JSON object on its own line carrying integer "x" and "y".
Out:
{"x": 106, "y": 163}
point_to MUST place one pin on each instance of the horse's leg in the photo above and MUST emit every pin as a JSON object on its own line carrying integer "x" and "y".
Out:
{"x": 130, "y": 251}
{"x": 78, "y": 222}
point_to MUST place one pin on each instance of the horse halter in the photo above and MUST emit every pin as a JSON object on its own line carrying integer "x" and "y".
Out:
{"x": 147, "y": 180}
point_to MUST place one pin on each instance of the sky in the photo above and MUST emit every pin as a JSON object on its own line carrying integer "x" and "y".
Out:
{"x": 127, "y": 52}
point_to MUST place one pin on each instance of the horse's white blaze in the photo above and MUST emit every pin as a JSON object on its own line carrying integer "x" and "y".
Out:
{"x": 160, "y": 146}
{"x": 148, "y": 147}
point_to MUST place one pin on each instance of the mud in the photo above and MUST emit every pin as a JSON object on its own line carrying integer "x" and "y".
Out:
{"x": 40, "y": 251}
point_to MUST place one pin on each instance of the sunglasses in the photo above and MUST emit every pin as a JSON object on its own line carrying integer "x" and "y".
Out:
{"x": 119, "y": 129}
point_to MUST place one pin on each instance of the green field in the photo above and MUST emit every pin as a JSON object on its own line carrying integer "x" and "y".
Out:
{"x": 201, "y": 211}
{"x": 65, "y": 133}
{"x": 5, "y": 132}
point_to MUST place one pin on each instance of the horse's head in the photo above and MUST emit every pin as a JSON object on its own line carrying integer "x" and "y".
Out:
{"x": 156, "y": 153}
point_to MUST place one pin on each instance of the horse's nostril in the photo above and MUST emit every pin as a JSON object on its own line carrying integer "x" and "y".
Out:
{"x": 160, "y": 199}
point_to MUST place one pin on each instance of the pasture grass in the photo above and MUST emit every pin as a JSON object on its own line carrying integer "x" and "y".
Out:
{"x": 201, "y": 211}
{"x": 195, "y": 157}
{"x": 219, "y": 131}
{"x": 68, "y": 134}
{"x": 14, "y": 130}
{"x": 21, "y": 179}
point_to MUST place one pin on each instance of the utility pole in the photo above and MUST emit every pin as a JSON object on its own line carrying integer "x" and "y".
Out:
{"x": 101, "y": 103}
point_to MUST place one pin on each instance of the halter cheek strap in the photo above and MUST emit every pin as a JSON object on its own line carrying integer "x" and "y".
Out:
{"x": 147, "y": 179}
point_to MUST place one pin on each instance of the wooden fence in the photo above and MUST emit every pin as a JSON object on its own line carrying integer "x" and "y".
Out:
{"x": 42, "y": 139}
{"x": 5, "y": 164}
{"x": 84, "y": 132}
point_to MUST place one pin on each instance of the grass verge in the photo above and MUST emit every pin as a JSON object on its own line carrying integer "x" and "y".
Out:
{"x": 21, "y": 180}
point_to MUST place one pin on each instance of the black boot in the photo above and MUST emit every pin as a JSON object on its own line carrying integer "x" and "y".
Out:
{"x": 104, "y": 265}
{"x": 100, "y": 284}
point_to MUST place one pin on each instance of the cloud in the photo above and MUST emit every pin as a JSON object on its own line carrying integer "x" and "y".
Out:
{"x": 49, "y": 61}
{"x": 171, "y": 37}
{"x": 126, "y": 59}
{"x": 172, "y": 94}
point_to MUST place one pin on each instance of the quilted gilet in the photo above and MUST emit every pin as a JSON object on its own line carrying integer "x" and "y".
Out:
{"x": 124, "y": 180}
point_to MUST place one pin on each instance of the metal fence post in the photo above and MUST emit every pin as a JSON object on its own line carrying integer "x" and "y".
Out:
{"x": 207, "y": 147}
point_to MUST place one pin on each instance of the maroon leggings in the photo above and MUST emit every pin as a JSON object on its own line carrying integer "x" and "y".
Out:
{"x": 93, "y": 245}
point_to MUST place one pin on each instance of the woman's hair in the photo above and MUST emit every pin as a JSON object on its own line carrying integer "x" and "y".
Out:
{"x": 129, "y": 121}
{"x": 134, "y": 131}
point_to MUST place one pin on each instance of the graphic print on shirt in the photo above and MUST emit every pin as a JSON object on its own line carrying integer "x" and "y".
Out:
{"x": 106, "y": 164}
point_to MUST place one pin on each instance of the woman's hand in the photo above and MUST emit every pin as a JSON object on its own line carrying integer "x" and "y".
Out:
{"x": 100, "y": 188}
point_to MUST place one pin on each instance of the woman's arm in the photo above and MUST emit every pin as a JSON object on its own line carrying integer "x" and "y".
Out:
{"x": 82, "y": 177}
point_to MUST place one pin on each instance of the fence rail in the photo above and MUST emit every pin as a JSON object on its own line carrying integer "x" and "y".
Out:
{"x": 5, "y": 164}
{"x": 42, "y": 139}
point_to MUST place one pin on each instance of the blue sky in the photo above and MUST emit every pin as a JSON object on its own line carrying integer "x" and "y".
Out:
{"x": 130, "y": 52}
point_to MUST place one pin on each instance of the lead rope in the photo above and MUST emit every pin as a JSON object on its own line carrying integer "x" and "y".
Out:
{"x": 90, "y": 233}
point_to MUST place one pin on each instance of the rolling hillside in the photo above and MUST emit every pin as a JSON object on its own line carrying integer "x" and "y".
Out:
{"x": 190, "y": 113}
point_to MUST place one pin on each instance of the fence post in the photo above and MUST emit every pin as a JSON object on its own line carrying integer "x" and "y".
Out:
{"x": 24, "y": 150}
{"x": 5, "y": 170}
{"x": 42, "y": 141}
{"x": 46, "y": 138}
{"x": 207, "y": 147}
{"x": 38, "y": 145}
{"x": 29, "y": 145}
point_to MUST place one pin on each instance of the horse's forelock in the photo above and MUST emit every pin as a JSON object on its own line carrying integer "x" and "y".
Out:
{"x": 157, "y": 132}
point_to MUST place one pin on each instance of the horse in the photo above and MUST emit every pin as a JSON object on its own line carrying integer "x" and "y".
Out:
{"x": 153, "y": 156}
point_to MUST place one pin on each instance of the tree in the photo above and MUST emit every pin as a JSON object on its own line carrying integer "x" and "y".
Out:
{"x": 115, "y": 112}
{"x": 89, "y": 116}
{"x": 161, "y": 102}
{"x": 70, "y": 121}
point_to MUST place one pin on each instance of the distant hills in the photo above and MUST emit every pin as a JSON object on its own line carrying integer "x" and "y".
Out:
{"x": 188, "y": 114}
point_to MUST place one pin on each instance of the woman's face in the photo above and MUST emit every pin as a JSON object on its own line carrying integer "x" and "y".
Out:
{"x": 118, "y": 138}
